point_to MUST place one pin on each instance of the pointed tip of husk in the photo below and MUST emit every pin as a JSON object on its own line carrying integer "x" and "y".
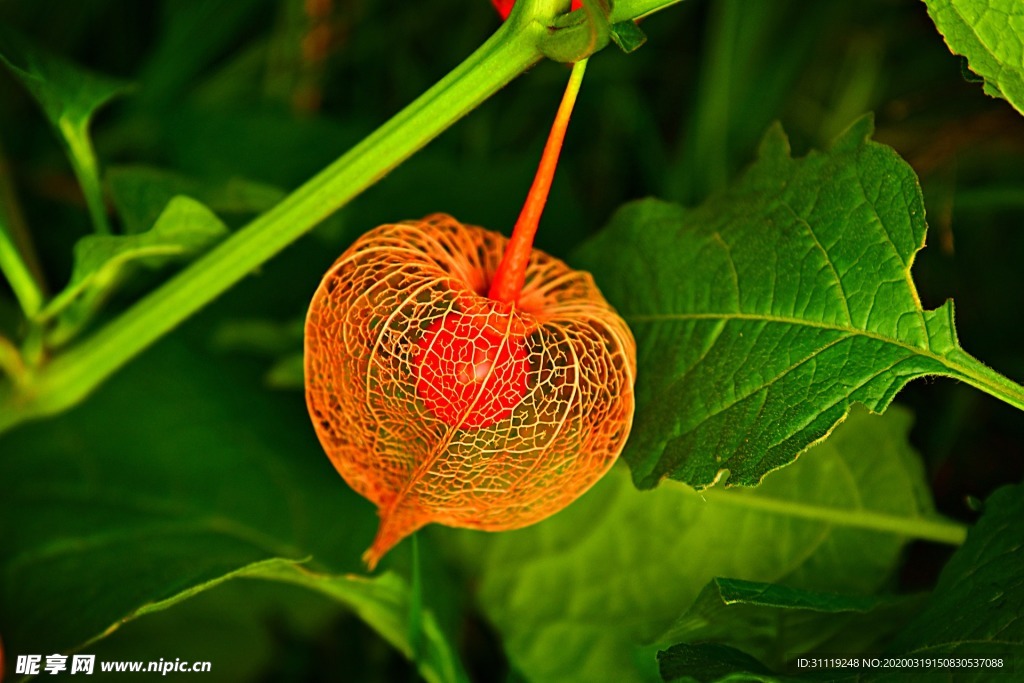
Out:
{"x": 395, "y": 525}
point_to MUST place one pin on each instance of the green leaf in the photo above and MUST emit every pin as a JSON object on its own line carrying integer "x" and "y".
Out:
{"x": 383, "y": 603}
{"x": 990, "y": 34}
{"x": 582, "y": 595}
{"x": 249, "y": 630}
{"x": 102, "y": 262}
{"x": 709, "y": 663}
{"x": 774, "y": 623}
{"x": 627, "y": 35}
{"x": 69, "y": 96}
{"x": 141, "y": 193}
{"x": 763, "y": 315}
{"x": 978, "y": 603}
{"x": 180, "y": 475}
{"x": 973, "y": 614}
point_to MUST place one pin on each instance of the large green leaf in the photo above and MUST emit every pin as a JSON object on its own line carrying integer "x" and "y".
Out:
{"x": 69, "y": 96}
{"x": 977, "y": 609}
{"x": 184, "y": 229}
{"x": 177, "y": 476}
{"x": 775, "y": 623}
{"x": 577, "y": 597}
{"x": 764, "y": 314}
{"x": 973, "y": 618}
{"x": 990, "y": 34}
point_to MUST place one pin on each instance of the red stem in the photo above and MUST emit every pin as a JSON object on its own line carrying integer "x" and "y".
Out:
{"x": 508, "y": 279}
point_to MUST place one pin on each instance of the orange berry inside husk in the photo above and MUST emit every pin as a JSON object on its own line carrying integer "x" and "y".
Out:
{"x": 471, "y": 374}
{"x": 441, "y": 405}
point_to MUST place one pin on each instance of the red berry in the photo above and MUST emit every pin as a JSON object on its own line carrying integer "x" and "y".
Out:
{"x": 471, "y": 372}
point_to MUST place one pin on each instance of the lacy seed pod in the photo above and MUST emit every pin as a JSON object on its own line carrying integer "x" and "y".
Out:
{"x": 458, "y": 377}
{"x": 441, "y": 404}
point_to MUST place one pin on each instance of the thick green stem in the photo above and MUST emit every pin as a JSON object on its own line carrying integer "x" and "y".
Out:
{"x": 68, "y": 378}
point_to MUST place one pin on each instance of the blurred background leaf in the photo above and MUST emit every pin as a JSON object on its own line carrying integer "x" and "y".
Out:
{"x": 583, "y": 595}
{"x": 977, "y": 605}
{"x": 148, "y": 495}
{"x": 70, "y": 97}
{"x": 148, "y": 490}
{"x": 774, "y": 623}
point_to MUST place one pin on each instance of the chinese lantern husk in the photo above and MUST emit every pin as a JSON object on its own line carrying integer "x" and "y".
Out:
{"x": 362, "y": 329}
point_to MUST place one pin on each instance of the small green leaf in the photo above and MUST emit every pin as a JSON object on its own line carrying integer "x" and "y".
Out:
{"x": 141, "y": 193}
{"x": 990, "y": 34}
{"x": 763, "y": 315}
{"x": 978, "y": 603}
{"x": 102, "y": 262}
{"x": 774, "y": 623}
{"x": 627, "y": 35}
{"x": 584, "y": 594}
{"x": 69, "y": 96}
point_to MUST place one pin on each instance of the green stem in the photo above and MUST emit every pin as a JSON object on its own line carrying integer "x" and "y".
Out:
{"x": 980, "y": 376}
{"x": 935, "y": 529}
{"x": 70, "y": 377}
{"x": 11, "y": 362}
{"x": 17, "y": 272}
{"x": 17, "y": 257}
{"x": 83, "y": 163}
